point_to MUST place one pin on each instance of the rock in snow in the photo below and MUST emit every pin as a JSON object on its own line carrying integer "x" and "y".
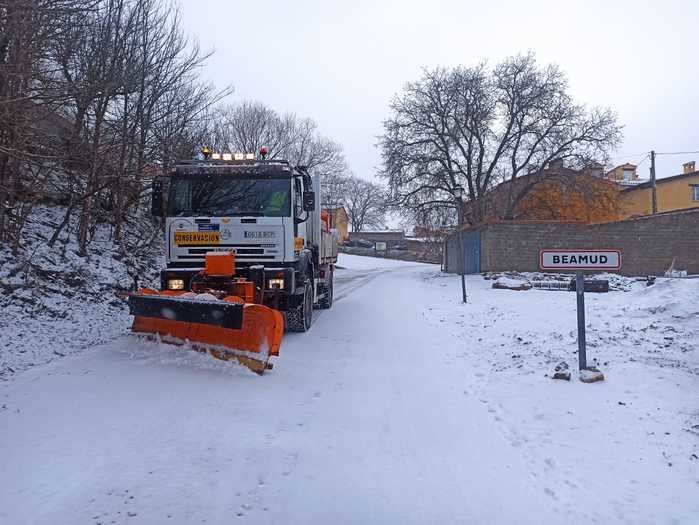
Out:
{"x": 562, "y": 371}
{"x": 507, "y": 283}
{"x": 591, "y": 375}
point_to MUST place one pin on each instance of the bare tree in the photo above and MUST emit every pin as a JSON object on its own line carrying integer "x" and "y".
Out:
{"x": 473, "y": 127}
{"x": 309, "y": 148}
{"x": 365, "y": 204}
{"x": 30, "y": 148}
{"x": 131, "y": 79}
{"x": 95, "y": 97}
{"x": 335, "y": 187}
{"x": 247, "y": 126}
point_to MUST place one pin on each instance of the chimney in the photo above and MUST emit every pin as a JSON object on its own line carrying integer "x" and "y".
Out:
{"x": 556, "y": 164}
{"x": 596, "y": 170}
{"x": 688, "y": 167}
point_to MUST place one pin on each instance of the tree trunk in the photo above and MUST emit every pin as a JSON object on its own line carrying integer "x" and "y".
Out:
{"x": 91, "y": 186}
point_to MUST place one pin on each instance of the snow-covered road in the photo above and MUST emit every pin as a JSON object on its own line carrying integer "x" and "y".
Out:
{"x": 392, "y": 409}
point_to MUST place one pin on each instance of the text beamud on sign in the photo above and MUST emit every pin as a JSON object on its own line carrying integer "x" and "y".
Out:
{"x": 580, "y": 259}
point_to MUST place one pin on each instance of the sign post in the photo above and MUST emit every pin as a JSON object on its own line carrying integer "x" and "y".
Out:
{"x": 580, "y": 260}
{"x": 580, "y": 293}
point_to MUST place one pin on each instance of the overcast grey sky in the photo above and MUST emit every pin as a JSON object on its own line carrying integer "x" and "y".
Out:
{"x": 340, "y": 62}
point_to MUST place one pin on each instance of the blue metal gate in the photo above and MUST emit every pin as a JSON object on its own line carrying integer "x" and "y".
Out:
{"x": 472, "y": 251}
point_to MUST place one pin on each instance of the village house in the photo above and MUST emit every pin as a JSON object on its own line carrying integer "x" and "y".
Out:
{"x": 338, "y": 221}
{"x": 678, "y": 192}
{"x": 556, "y": 193}
{"x": 592, "y": 196}
{"x": 392, "y": 238}
{"x": 624, "y": 174}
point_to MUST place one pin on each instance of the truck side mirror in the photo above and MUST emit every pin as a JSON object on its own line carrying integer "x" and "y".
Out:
{"x": 309, "y": 201}
{"x": 156, "y": 202}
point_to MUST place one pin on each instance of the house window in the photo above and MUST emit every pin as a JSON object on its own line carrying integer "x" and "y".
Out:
{"x": 695, "y": 192}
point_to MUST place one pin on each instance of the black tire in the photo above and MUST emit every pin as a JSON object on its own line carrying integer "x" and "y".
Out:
{"x": 327, "y": 301}
{"x": 299, "y": 319}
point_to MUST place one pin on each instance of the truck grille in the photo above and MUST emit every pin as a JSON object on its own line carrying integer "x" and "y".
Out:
{"x": 238, "y": 251}
{"x": 196, "y": 253}
{"x": 238, "y": 257}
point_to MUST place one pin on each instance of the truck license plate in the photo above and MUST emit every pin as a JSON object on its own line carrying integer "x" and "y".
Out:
{"x": 197, "y": 238}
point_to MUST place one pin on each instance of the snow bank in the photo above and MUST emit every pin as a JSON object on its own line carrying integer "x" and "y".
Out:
{"x": 616, "y": 282}
{"x": 668, "y": 299}
{"x": 55, "y": 302}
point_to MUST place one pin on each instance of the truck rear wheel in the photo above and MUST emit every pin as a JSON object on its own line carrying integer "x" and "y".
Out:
{"x": 299, "y": 319}
{"x": 326, "y": 288}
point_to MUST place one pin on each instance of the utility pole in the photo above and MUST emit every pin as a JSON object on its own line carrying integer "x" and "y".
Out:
{"x": 652, "y": 183}
{"x": 464, "y": 297}
{"x": 459, "y": 194}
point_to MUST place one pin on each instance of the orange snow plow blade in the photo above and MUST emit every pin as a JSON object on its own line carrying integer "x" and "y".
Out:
{"x": 228, "y": 329}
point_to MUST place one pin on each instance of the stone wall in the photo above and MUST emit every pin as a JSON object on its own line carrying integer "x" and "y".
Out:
{"x": 403, "y": 255}
{"x": 648, "y": 244}
{"x": 392, "y": 238}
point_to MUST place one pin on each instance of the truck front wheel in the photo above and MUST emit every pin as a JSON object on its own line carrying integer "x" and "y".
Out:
{"x": 299, "y": 318}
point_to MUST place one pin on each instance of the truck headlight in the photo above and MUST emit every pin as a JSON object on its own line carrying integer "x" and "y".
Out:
{"x": 175, "y": 284}
{"x": 275, "y": 283}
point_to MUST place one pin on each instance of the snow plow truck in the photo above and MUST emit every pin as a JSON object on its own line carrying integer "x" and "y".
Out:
{"x": 249, "y": 255}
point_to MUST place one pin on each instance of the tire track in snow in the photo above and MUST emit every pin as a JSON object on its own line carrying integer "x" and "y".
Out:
{"x": 355, "y": 282}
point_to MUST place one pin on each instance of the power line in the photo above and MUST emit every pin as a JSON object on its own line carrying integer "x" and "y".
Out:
{"x": 630, "y": 155}
{"x": 643, "y": 159}
{"x": 645, "y": 155}
{"x": 677, "y": 152}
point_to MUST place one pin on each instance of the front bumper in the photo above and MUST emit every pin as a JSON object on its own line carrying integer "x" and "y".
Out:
{"x": 269, "y": 273}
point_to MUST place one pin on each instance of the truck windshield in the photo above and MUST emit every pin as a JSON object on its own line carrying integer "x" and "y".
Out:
{"x": 222, "y": 196}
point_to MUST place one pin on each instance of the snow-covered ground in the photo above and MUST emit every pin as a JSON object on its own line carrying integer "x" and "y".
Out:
{"x": 401, "y": 405}
{"x": 54, "y": 301}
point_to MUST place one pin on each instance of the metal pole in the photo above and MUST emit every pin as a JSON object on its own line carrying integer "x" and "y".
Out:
{"x": 580, "y": 293}
{"x": 462, "y": 258}
{"x": 654, "y": 192}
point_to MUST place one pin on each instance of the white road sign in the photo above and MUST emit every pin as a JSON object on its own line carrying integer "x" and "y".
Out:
{"x": 580, "y": 259}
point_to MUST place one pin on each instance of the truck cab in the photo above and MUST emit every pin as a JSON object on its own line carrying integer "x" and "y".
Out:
{"x": 266, "y": 212}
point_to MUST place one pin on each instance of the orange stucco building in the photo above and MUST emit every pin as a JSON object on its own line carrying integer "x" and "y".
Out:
{"x": 679, "y": 192}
